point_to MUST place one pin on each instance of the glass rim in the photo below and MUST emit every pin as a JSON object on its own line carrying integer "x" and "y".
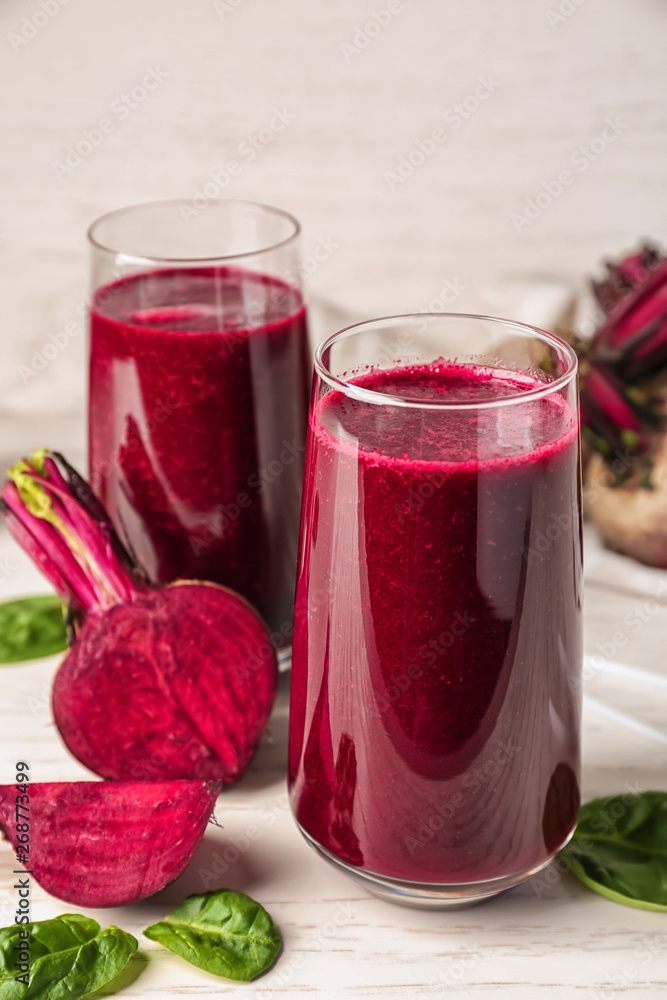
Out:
{"x": 258, "y": 206}
{"x": 382, "y": 398}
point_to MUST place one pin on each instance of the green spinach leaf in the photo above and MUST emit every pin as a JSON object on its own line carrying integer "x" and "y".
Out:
{"x": 224, "y": 932}
{"x": 31, "y": 628}
{"x": 70, "y": 957}
{"x": 619, "y": 849}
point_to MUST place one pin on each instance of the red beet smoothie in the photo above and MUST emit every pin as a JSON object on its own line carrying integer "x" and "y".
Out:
{"x": 197, "y": 419}
{"x": 437, "y": 644}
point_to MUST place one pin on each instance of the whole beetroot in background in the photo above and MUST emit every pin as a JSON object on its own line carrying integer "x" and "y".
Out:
{"x": 623, "y": 378}
{"x": 160, "y": 684}
{"x": 624, "y": 357}
{"x": 97, "y": 843}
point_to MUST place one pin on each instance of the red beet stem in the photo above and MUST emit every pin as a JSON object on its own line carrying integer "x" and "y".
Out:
{"x": 67, "y": 533}
{"x": 608, "y": 394}
{"x": 48, "y": 550}
{"x": 641, "y": 306}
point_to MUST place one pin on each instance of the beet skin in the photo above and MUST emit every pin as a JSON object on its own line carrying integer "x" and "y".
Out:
{"x": 98, "y": 844}
{"x": 176, "y": 683}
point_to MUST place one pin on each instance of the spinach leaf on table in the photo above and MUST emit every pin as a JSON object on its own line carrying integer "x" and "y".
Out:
{"x": 70, "y": 957}
{"x": 223, "y": 932}
{"x": 619, "y": 849}
{"x": 31, "y": 627}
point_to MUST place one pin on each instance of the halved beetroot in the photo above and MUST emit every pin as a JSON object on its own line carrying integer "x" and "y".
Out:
{"x": 168, "y": 685}
{"x": 160, "y": 683}
{"x": 98, "y": 843}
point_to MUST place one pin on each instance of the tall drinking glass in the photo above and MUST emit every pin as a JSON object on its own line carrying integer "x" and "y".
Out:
{"x": 199, "y": 379}
{"x": 434, "y": 732}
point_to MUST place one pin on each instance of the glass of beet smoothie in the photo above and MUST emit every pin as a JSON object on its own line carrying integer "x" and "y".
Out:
{"x": 198, "y": 398}
{"x": 434, "y": 731}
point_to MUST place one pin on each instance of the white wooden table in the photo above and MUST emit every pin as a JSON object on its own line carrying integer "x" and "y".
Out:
{"x": 558, "y": 942}
{"x": 228, "y": 64}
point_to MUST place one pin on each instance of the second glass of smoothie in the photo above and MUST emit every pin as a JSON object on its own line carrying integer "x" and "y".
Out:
{"x": 434, "y": 727}
{"x": 199, "y": 380}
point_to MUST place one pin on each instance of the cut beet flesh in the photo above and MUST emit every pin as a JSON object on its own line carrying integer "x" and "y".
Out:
{"x": 179, "y": 683}
{"x": 97, "y": 843}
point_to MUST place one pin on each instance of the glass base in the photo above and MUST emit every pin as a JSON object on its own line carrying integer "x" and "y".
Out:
{"x": 424, "y": 895}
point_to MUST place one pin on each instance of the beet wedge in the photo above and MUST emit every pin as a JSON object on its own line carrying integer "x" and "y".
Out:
{"x": 99, "y": 844}
{"x": 160, "y": 684}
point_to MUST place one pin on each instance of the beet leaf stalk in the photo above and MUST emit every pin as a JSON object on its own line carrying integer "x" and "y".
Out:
{"x": 54, "y": 515}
